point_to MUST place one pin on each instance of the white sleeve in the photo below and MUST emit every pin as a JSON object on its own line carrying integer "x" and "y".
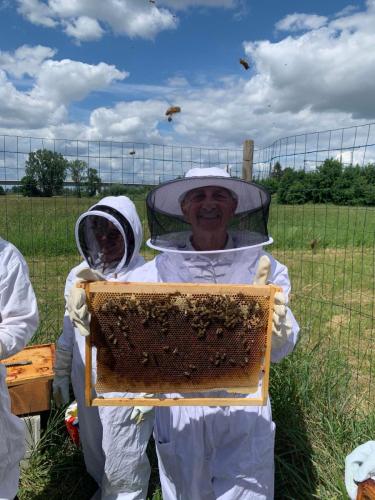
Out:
{"x": 279, "y": 276}
{"x": 18, "y": 308}
{"x": 66, "y": 339}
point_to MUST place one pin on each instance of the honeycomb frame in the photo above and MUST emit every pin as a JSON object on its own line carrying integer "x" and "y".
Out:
{"x": 226, "y": 327}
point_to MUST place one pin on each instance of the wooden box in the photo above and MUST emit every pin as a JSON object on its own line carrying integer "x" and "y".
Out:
{"x": 30, "y": 385}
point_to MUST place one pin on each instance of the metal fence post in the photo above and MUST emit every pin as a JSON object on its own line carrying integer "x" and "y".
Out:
{"x": 247, "y": 164}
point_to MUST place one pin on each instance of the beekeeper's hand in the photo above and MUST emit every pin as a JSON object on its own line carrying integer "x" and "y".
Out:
{"x": 359, "y": 466}
{"x": 76, "y": 302}
{"x": 61, "y": 381}
{"x": 139, "y": 412}
{"x": 281, "y": 324}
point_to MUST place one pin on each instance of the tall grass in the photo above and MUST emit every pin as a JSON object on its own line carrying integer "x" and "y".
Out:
{"x": 45, "y": 226}
{"x": 317, "y": 422}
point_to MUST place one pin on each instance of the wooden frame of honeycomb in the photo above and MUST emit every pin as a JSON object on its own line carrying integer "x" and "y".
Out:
{"x": 167, "y": 338}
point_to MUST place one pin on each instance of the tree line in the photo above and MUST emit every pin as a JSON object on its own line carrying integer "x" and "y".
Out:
{"x": 46, "y": 172}
{"x": 331, "y": 182}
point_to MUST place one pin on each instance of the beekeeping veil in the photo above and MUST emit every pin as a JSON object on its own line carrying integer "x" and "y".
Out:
{"x": 109, "y": 235}
{"x": 170, "y": 232}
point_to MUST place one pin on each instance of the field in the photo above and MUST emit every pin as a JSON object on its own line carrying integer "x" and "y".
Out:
{"x": 322, "y": 395}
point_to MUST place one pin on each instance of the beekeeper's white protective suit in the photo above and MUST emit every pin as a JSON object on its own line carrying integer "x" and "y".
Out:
{"x": 216, "y": 452}
{"x": 18, "y": 322}
{"x": 208, "y": 453}
{"x": 114, "y": 446}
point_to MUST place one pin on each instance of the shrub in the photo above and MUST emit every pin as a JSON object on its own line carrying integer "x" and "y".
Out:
{"x": 296, "y": 194}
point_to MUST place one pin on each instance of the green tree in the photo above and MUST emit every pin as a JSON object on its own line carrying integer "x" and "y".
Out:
{"x": 2, "y": 191}
{"x": 45, "y": 173}
{"x": 93, "y": 182}
{"x": 277, "y": 171}
{"x": 78, "y": 170}
{"x": 326, "y": 176}
{"x": 29, "y": 186}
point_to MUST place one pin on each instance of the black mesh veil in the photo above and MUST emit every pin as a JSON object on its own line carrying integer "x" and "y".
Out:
{"x": 105, "y": 239}
{"x": 170, "y": 231}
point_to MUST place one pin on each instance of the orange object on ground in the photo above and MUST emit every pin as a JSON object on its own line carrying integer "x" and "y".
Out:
{"x": 366, "y": 490}
{"x": 71, "y": 422}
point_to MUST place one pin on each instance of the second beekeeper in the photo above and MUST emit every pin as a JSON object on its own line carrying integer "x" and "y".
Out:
{"x": 114, "y": 439}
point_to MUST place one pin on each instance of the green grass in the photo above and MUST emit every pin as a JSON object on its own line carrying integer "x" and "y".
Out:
{"x": 322, "y": 395}
{"x": 45, "y": 226}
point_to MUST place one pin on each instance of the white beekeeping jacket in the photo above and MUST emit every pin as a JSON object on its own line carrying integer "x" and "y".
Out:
{"x": 18, "y": 321}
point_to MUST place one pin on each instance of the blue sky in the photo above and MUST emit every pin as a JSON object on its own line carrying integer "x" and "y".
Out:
{"x": 100, "y": 69}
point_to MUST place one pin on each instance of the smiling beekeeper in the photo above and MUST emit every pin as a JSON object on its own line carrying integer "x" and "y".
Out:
{"x": 211, "y": 228}
{"x": 18, "y": 321}
{"x": 114, "y": 439}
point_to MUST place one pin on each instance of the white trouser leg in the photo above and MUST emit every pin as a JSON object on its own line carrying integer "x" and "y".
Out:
{"x": 127, "y": 469}
{"x": 90, "y": 427}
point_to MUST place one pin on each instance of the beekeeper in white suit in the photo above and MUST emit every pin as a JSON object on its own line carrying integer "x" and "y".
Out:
{"x": 359, "y": 466}
{"x": 114, "y": 439}
{"x": 18, "y": 322}
{"x": 212, "y": 228}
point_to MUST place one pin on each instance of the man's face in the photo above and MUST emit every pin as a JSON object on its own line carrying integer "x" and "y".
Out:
{"x": 109, "y": 239}
{"x": 208, "y": 208}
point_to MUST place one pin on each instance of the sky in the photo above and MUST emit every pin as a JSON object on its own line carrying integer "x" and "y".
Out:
{"x": 109, "y": 69}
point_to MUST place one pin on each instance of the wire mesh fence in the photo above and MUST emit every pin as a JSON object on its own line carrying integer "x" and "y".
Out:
{"x": 328, "y": 248}
{"x": 349, "y": 145}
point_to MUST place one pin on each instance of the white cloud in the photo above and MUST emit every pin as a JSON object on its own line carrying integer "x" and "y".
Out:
{"x": 300, "y": 22}
{"x": 84, "y": 29}
{"x": 134, "y": 121}
{"x": 20, "y": 110}
{"x": 183, "y": 4}
{"x": 87, "y": 19}
{"x": 177, "y": 81}
{"x": 326, "y": 69}
{"x": 66, "y": 81}
{"x": 55, "y": 85}
{"x": 25, "y": 60}
{"x": 37, "y": 12}
{"x": 321, "y": 79}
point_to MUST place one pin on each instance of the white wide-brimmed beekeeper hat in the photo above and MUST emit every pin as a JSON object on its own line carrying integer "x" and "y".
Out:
{"x": 170, "y": 231}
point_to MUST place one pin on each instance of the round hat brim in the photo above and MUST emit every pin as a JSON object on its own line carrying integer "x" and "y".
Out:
{"x": 166, "y": 197}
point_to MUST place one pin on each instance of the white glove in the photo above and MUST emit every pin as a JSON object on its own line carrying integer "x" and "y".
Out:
{"x": 281, "y": 324}
{"x": 1, "y": 350}
{"x": 76, "y": 302}
{"x": 139, "y": 412}
{"x": 359, "y": 466}
{"x": 61, "y": 381}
